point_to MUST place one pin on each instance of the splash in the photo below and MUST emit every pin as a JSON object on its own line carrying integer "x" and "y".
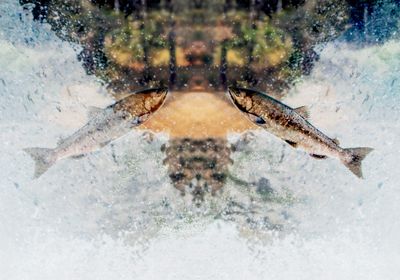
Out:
{"x": 117, "y": 218}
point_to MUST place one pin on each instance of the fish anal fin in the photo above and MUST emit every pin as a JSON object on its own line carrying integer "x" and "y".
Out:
{"x": 318, "y": 156}
{"x": 93, "y": 112}
{"x": 303, "y": 111}
{"x": 291, "y": 143}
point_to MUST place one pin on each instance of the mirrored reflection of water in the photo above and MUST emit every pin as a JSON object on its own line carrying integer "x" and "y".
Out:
{"x": 115, "y": 214}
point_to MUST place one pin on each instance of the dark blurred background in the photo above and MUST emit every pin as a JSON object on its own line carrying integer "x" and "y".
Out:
{"x": 207, "y": 45}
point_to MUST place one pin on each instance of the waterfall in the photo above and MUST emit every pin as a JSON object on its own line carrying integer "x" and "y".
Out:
{"x": 114, "y": 214}
{"x": 279, "y": 6}
{"x": 116, "y": 6}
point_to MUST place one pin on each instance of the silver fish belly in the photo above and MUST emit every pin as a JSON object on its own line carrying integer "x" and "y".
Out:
{"x": 291, "y": 126}
{"x": 98, "y": 132}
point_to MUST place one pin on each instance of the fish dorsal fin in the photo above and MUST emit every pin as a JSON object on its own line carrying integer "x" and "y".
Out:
{"x": 93, "y": 112}
{"x": 303, "y": 111}
{"x": 336, "y": 141}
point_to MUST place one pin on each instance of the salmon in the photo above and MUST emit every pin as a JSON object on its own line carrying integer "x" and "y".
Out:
{"x": 291, "y": 125}
{"x": 104, "y": 126}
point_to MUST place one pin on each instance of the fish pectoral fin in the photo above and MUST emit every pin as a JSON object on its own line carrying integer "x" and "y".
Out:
{"x": 318, "y": 156}
{"x": 291, "y": 143}
{"x": 93, "y": 112}
{"x": 136, "y": 121}
{"x": 303, "y": 111}
{"x": 144, "y": 117}
{"x": 255, "y": 119}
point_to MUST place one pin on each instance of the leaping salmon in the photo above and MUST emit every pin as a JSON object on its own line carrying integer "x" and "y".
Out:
{"x": 104, "y": 126}
{"x": 291, "y": 125}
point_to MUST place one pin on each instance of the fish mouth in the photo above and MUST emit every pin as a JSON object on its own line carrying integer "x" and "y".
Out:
{"x": 162, "y": 92}
{"x": 241, "y": 91}
{"x": 234, "y": 91}
{"x": 154, "y": 98}
{"x": 236, "y": 94}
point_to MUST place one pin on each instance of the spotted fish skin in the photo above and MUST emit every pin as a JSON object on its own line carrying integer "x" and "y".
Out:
{"x": 291, "y": 126}
{"x": 104, "y": 126}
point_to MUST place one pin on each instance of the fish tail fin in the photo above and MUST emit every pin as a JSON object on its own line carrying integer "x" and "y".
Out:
{"x": 353, "y": 158}
{"x": 44, "y": 159}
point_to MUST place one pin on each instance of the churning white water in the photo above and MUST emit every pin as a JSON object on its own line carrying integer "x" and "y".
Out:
{"x": 105, "y": 216}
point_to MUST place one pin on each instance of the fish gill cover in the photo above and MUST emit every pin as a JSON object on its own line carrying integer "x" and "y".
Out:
{"x": 280, "y": 214}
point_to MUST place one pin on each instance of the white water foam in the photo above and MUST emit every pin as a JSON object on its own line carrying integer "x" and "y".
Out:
{"x": 85, "y": 218}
